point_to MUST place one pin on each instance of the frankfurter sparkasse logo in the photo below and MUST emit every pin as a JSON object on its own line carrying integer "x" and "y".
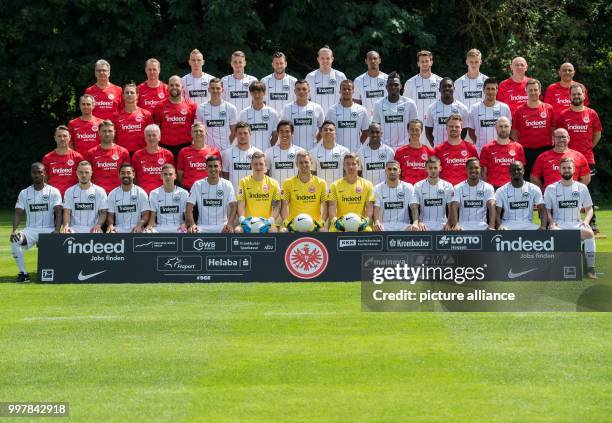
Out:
{"x": 306, "y": 258}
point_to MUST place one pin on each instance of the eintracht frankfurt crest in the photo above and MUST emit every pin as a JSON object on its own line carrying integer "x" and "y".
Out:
{"x": 306, "y": 258}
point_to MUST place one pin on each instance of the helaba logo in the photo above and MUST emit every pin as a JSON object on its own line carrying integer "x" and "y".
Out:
{"x": 519, "y": 244}
{"x": 91, "y": 247}
{"x": 458, "y": 242}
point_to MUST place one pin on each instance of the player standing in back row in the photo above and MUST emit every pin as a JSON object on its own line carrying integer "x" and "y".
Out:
{"x": 279, "y": 86}
{"x": 423, "y": 87}
{"x": 468, "y": 88}
{"x": 195, "y": 84}
{"x": 236, "y": 85}
{"x": 371, "y": 85}
{"x": 325, "y": 81}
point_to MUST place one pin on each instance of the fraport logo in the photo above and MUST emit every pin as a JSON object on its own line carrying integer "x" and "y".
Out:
{"x": 176, "y": 263}
{"x": 91, "y": 247}
{"x": 519, "y": 244}
{"x": 458, "y": 242}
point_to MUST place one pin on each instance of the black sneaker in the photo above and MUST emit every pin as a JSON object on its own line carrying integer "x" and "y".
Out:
{"x": 23, "y": 277}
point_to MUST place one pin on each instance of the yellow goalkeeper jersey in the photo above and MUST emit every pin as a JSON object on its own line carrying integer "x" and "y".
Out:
{"x": 258, "y": 195}
{"x": 305, "y": 197}
{"x": 351, "y": 198}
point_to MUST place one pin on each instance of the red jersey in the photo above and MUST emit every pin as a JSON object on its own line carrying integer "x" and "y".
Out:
{"x": 108, "y": 100}
{"x": 149, "y": 97}
{"x": 129, "y": 128}
{"x": 412, "y": 162}
{"x": 534, "y": 125}
{"x": 559, "y": 97}
{"x": 106, "y": 164}
{"x": 175, "y": 121}
{"x": 581, "y": 127}
{"x": 453, "y": 158}
{"x": 513, "y": 93}
{"x": 193, "y": 163}
{"x": 84, "y": 134}
{"x": 148, "y": 167}
{"x": 497, "y": 158}
{"x": 546, "y": 166}
{"x": 61, "y": 169}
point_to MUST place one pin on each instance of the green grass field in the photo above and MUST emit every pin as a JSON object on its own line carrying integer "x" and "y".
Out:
{"x": 291, "y": 352}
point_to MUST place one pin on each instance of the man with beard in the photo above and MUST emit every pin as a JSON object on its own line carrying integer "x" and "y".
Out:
{"x": 351, "y": 119}
{"x": 131, "y": 121}
{"x": 558, "y": 94}
{"x": 107, "y": 158}
{"x": 279, "y": 86}
{"x": 485, "y": 114}
{"x": 175, "y": 115}
{"x": 305, "y": 115}
{"x": 61, "y": 163}
{"x": 496, "y": 156}
{"x": 374, "y": 156}
{"x": 128, "y": 205}
{"x": 84, "y": 129}
{"x": 564, "y": 200}
{"x": 219, "y": 116}
{"x": 393, "y": 198}
{"x": 454, "y": 152}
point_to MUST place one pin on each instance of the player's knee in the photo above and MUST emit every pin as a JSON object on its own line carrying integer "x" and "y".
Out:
{"x": 586, "y": 234}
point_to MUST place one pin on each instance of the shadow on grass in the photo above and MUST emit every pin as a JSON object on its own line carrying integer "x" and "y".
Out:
{"x": 13, "y": 278}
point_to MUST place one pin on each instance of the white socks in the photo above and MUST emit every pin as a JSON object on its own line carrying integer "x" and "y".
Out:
{"x": 589, "y": 251}
{"x": 18, "y": 254}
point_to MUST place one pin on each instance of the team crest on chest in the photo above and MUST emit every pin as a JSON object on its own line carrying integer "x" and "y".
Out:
{"x": 222, "y": 113}
{"x": 575, "y": 194}
{"x": 45, "y": 197}
{"x": 358, "y": 190}
{"x": 265, "y": 118}
{"x": 464, "y": 153}
{"x": 160, "y": 96}
{"x": 512, "y": 153}
{"x": 400, "y": 194}
{"x": 291, "y": 156}
{"x": 332, "y": 81}
{"x": 183, "y": 111}
{"x": 265, "y": 188}
{"x": 219, "y": 193}
{"x": 479, "y": 193}
{"x": 311, "y": 189}
{"x": 382, "y": 156}
{"x": 440, "y": 192}
{"x": 70, "y": 162}
{"x": 336, "y": 155}
{"x": 115, "y": 156}
{"x": 91, "y": 197}
{"x": 139, "y": 118}
{"x": 160, "y": 161}
{"x": 543, "y": 114}
{"x": 245, "y": 84}
{"x": 525, "y": 194}
{"x": 94, "y": 128}
{"x": 424, "y": 156}
{"x": 111, "y": 96}
{"x": 176, "y": 198}
{"x": 381, "y": 83}
{"x": 285, "y": 87}
{"x": 308, "y": 112}
{"x": 133, "y": 197}
{"x": 354, "y": 114}
{"x": 586, "y": 119}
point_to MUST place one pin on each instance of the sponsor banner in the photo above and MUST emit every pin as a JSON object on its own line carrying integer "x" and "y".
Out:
{"x": 116, "y": 258}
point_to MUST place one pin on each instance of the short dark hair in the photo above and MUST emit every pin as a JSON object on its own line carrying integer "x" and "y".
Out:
{"x": 212, "y": 158}
{"x": 124, "y": 165}
{"x": 285, "y": 122}
{"x": 432, "y": 159}
{"x": 491, "y": 80}
{"x": 243, "y": 124}
{"x": 257, "y": 86}
{"x": 471, "y": 160}
{"x": 328, "y": 122}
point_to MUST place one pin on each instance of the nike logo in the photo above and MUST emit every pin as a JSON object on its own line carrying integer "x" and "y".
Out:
{"x": 83, "y": 277}
{"x": 300, "y": 219}
{"x": 512, "y": 275}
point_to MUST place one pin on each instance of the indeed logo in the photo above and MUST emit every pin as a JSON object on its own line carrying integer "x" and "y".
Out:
{"x": 521, "y": 244}
{"x": 92, "y": 247}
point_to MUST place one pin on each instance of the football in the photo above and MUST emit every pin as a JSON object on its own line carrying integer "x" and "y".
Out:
{"x": 351, "y": 222}
{"x": 255, "y": 225}
{"x": 303, "y": 223}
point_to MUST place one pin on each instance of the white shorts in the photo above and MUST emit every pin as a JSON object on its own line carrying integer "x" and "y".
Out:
{"x": 31, "y": 235}
{"x": 393, "y": 226}
{"x": 434, "y": 226}
{"x": 217, "y": 229}
{"x": 519, "y": 226}
{"x": 569, "y": 225}
{"x": 163, "y": 229}
{"x": 473, "y": 226}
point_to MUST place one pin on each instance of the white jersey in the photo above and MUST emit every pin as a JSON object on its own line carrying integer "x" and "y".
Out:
{"x": 329, "y": 164}
{"x": 394, "y": 118}
{"x": 38, "y": 206}
{"x": 236, "y": 91}
{"x": 483, "y": 119}
{"x": 85, "y": 204}
{"x": 212, "y": 201}
{"x": 306, "y": 122}
{"x": 518, "y": 203}
{"x": 281, "y": 163}
{"x": 433, "y": 199}
{"x": 373, "y": 162}
{"x": 218, "y": 120}
{"x": 468, "y": 90}
{"x": 565, "y": 202}
{"x": 437, "y": 115}
{"x": 369, "y": 90}
{"x": 279, "y": 92}
{"x": 128, "y": 206}
{"x": 394, "y": 203}
{"x": 263, "y": 122}
{"x": 349, "y": 121}
{"x": 237, "y": 163}
{"x": 169, "y": 207}
{"x": 423, "y": 91}
{"x": 325, "y": 88}
{"x": 473, "y": 201}
{"x": 196, "y": 89}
